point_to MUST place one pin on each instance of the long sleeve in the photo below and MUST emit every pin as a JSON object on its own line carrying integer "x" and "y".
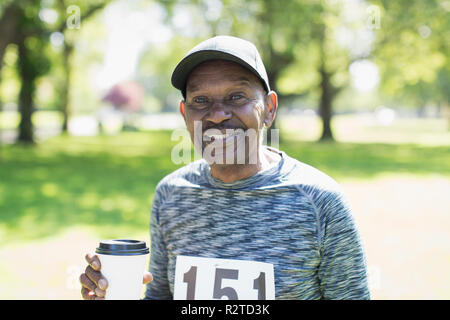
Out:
{"x": 342, "y": 270}
{"x": 290, "y": 215}
{"x": 158, "y": 289}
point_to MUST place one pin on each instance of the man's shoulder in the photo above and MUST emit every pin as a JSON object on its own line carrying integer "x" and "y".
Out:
{"x": 190, "y": 174}
{"x": 307, "y": 176}
{"x": 321, "y": 189}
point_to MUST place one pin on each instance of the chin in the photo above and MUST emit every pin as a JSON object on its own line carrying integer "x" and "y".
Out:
{"x": 230, "y": 158}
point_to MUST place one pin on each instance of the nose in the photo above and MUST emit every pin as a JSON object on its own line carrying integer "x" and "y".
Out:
{"x": 218, "y": 113}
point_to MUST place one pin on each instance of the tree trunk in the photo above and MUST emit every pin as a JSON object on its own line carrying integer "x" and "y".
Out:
{"x": 67, "y": 57}
{"x": 8, "y": 28}
{"x": 325, "y": 106}
{"x": 28, "y": 77}
{"x": 65, "y": 92}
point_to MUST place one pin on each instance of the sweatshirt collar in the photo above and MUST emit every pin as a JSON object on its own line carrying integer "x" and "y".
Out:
{"x": 257, "y": 179}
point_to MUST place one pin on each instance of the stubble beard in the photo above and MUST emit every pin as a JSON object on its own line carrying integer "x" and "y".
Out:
{"x": 227, "y": 147}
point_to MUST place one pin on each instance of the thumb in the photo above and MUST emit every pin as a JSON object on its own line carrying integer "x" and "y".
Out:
{"x": 148, "y": 277}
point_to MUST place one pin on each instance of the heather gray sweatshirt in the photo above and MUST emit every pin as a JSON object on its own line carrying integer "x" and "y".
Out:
{"x": 290, "y": 215}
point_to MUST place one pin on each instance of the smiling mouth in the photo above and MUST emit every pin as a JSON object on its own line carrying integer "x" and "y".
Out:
{"x": 229, "y": 133}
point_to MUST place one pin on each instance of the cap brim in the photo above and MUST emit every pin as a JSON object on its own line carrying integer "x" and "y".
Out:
{"x": 185, "y": 67}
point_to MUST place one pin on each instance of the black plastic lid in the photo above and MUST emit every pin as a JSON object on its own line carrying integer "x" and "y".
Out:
{"x": 122, "y": 247}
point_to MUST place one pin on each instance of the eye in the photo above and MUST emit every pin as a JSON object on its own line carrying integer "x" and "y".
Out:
{"x": 200, "y": 100}
{"x": 235, "y": 97}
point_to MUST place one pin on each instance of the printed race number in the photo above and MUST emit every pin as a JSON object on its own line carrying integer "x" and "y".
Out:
{"x": 209, "y": 278}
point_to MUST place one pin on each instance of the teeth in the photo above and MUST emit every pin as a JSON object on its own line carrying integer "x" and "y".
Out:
{"x": 220, "y": 136}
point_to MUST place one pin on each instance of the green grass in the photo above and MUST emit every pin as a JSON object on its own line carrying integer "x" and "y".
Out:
{"x": 59, "y": 197}
{"x": 365, "y": 129}
{"x": 108, "y": 182}
{"x": 364, "y": 161}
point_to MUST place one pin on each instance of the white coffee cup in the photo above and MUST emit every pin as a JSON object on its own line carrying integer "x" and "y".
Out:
{"x": 123, "y": 265}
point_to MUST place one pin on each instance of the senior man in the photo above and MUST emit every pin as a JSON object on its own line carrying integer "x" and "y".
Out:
{"x": 244, "y": 200}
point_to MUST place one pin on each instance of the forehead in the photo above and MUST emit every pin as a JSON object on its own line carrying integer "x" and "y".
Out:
{"x": 222, "y": 72}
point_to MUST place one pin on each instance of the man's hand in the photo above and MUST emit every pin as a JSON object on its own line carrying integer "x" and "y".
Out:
{"x": 93, "y": 284}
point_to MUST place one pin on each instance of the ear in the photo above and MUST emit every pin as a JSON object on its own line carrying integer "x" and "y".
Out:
{"x": 182, "y": 107}
{"x": 272, "y": 104}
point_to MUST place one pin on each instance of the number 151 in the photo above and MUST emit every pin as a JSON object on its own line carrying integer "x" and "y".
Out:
{"x": 190, "y": 278}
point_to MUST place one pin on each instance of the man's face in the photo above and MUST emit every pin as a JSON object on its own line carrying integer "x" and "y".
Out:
{"x": 224, "y": 96}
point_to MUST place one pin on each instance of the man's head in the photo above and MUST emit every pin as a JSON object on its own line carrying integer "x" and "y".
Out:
{"x": 227, "y": 48}
{"x": 225, "y": 88}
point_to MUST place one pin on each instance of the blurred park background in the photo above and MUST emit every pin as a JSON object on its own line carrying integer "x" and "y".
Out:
{"x": 87, "y": 114}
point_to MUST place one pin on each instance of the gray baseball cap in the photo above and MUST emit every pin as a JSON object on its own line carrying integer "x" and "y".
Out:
{"x": 228, "y": 48}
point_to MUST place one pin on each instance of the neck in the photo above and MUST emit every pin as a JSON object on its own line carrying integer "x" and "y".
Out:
{"x": 229, "y": 173}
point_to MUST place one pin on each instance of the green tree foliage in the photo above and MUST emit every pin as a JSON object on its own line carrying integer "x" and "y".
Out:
{"x": 297, "y": 40}
{"x": 308, "y": 46}
{"x": 412, "y": 51}
{"x": 30, "y": 24}
{"x": 25, "y": 30}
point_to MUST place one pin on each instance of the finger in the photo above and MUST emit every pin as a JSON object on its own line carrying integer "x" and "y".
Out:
{"x": 93, "y": 261}
{"x": 86, "y": 294}
{"x": 87, "y": 283}
{"x": 99, "y": 293}
{"x": 148, "y": 277}
{"x": 97, "y": 278}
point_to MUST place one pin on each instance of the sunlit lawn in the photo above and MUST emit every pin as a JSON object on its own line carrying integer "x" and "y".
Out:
{"x": 103, "y": 181}
{"x": 57, "y": 199}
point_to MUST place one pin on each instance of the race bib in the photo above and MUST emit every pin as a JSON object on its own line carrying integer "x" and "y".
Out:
{"x": 209, "y": 278}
